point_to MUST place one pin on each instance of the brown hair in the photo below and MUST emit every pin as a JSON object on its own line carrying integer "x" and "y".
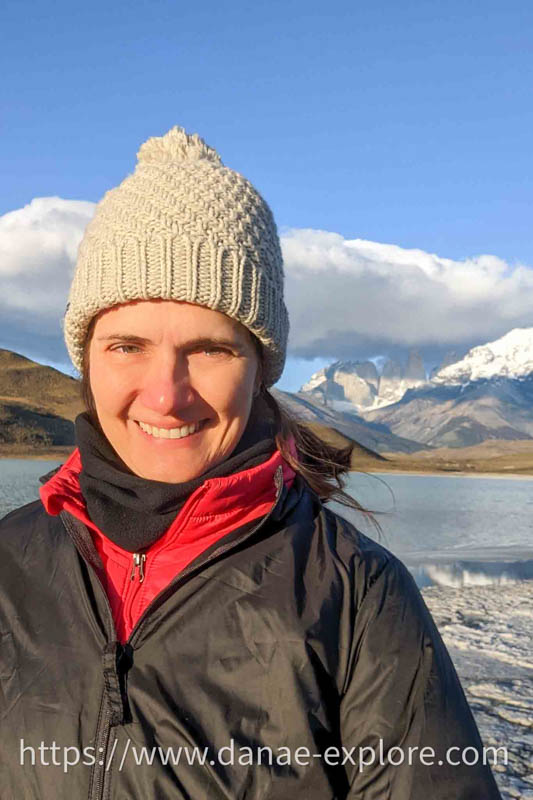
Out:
{"x": 322, "y": 465}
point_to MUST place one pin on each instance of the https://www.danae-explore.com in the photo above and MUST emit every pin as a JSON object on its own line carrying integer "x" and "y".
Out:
{"x": 69, "y": 757}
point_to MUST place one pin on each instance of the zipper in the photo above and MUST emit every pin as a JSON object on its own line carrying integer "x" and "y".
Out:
{"x": 103, "y": 730}
{"x": 135, "y": 584}
{"x": 139, "y": 560}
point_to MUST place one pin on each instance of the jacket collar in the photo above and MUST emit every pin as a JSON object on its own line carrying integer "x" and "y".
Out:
{"x": 225, "y": 501}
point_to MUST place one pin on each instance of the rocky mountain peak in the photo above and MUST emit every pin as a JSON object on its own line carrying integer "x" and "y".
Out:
{"x": 358, "y": 384}
{"x": 415, "y": 370}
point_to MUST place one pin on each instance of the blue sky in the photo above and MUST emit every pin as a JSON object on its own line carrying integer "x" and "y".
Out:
{"x": 406, "y": 123}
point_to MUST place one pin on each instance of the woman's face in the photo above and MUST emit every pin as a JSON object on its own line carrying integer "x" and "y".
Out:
{"x": 172, "y": 384}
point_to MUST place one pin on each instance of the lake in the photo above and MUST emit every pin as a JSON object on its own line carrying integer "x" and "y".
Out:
{"x": 449, "y": 530}
{"x": 19, "y": 481}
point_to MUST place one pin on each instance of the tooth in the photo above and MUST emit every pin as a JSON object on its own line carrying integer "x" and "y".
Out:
{"x": 169, "y": 433}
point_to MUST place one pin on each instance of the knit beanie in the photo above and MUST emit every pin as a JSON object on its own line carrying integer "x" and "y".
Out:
{"x": 183, "y": 227}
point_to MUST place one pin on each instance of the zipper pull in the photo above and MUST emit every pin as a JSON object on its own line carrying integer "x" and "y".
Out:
{"x": 138, "y": 563}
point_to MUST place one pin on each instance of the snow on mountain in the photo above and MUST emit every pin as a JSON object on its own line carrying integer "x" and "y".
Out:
{"x": 396, "y": 379}
{"x": 487, "y": 394}
{"x": 352, "y": 383}
{"x": 451, "y": 357}
{"x": 316, "y": 380}
{"x": 511, "y": 356}
{"x": 357, "y": 385}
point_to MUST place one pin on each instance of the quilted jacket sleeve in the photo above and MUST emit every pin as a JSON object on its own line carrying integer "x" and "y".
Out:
{"x": 402, "y": 691}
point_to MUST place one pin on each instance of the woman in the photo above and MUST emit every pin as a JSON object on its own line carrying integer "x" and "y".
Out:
{"x": 181, "y": 616}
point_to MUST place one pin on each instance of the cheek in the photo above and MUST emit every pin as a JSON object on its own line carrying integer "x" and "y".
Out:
{"x": 235, "y": 389}
{"x": 109, "y": 388}
{"x": 231, "y": 392}
{"x": 241, "y": 401}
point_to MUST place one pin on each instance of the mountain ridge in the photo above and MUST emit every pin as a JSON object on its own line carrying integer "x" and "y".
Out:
{"x": 487, "y": 394}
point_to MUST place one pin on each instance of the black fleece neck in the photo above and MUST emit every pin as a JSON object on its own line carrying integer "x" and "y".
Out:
{"x": 134, "y": 512}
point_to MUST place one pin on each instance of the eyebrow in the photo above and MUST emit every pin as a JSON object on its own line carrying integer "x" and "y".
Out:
{"x": 205, "y": 341}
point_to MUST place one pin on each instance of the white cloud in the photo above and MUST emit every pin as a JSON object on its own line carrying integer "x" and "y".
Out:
{"x": 345, "y": 298}
{"x": 354, "y": 297}
{"x": 38, "y": 245}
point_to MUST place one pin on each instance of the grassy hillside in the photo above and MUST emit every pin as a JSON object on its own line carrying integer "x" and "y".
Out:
{"x": 37, "y": 407}
{"x": 494, "y": 456}
{"x": 490, "y": 457}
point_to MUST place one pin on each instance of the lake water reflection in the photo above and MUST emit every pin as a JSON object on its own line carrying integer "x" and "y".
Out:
{"x": 451, "y": 530}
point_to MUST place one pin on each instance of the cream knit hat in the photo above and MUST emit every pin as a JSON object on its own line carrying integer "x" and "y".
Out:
{"x": 183, "y": 227}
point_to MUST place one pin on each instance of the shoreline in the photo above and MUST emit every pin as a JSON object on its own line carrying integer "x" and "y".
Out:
{"x": 445, "y": 473}
{"x": 60, "y": 455}
{"x": 377, "y": 468}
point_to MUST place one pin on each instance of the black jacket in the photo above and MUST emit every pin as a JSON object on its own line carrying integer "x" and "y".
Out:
{"x": 298, "y": 635}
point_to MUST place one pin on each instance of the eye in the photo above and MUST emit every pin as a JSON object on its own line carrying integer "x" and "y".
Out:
{"x": 211, "y": 350}
{"x": 125, "y": 348}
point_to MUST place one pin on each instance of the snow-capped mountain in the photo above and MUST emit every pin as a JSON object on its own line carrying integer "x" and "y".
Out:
{"x": 487, "y": 394}
{"x": 357, "y": 385}
{"x": 511, "y": 356}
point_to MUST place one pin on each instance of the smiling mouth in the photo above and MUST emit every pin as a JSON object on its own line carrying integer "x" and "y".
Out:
{"x": 171, "y": 433}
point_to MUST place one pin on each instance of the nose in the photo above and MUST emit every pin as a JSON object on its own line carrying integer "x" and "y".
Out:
{"x": 167, "y": 386}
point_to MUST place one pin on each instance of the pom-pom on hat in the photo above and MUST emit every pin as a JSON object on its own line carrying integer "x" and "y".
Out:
{"x": 183, "y": 227}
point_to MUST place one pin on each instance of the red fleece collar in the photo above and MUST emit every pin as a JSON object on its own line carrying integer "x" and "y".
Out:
{"x": 226, "y": 502}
